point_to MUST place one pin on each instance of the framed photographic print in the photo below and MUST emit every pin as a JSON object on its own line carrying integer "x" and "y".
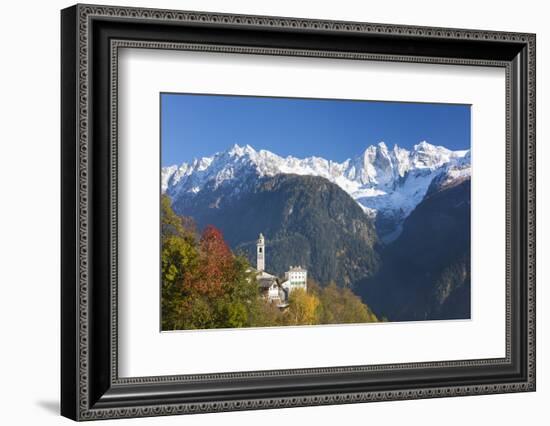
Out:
{"x": 263, "y": 212}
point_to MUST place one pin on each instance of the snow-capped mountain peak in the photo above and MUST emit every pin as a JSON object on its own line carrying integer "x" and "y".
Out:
{"x": 425, "y": 155}
{"x": 388, "y": 182}
{"x": 241, "y": 151}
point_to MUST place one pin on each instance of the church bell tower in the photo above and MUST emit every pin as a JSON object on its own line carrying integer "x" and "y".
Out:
{"x": 260, "y": 253}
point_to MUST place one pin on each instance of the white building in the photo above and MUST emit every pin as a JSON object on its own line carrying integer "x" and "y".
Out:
{"x": 295, "y": 277}
{"x": 272, "y": 289}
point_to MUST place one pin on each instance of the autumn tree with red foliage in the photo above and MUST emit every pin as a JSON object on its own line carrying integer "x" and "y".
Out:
{"x": 204, "y": 285}
{"x": 215, "y": 267}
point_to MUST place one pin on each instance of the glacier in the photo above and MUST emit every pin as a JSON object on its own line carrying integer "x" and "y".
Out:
{"x": 387, "y": 183}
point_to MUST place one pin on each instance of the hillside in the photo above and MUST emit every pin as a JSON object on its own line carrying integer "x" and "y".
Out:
{"x": 307, "y": 220}
{"x": 425, "y": 273}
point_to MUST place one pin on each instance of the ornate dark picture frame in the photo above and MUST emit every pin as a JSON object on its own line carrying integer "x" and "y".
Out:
{"x": 91, "y": 37}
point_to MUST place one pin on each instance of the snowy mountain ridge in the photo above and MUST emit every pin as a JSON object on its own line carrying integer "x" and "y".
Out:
{"x": 386, "y": 183}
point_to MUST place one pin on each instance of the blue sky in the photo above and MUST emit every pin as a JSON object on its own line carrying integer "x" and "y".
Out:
{"x": 195, "y": 126}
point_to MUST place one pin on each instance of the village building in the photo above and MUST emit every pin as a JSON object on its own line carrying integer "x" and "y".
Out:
{"x": 296, "y": 277}
{"x": 272, "y": 288}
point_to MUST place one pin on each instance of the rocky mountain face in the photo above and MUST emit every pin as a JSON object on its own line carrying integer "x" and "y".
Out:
{"x": 387, "y": 183}
{"x": 392, "y": 224}
{"x": 425, "y": 273}
{"x": 307, "y": 220}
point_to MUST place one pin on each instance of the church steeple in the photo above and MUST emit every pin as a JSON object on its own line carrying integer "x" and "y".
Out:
{"x": 260, "y": 253}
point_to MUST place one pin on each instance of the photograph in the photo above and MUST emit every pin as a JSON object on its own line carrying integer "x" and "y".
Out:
{"x": 354, "y": 188}
{"x": 278, "y": 211}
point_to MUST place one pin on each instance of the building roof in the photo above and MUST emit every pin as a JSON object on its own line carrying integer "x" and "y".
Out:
{"x": 264, "y": 274}
{"x": 266, "y": 280}
{"x": 297, "y": 269}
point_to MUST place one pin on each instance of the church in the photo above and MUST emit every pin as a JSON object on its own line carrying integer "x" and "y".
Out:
{"x": 277, "y": 290}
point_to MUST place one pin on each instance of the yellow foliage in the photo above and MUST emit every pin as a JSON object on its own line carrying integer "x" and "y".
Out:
{"x": 303, "y": 308}
{"x": 342, "y": 306}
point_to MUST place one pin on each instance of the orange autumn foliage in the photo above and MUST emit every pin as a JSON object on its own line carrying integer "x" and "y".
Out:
{"x": 215, "y": 267}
